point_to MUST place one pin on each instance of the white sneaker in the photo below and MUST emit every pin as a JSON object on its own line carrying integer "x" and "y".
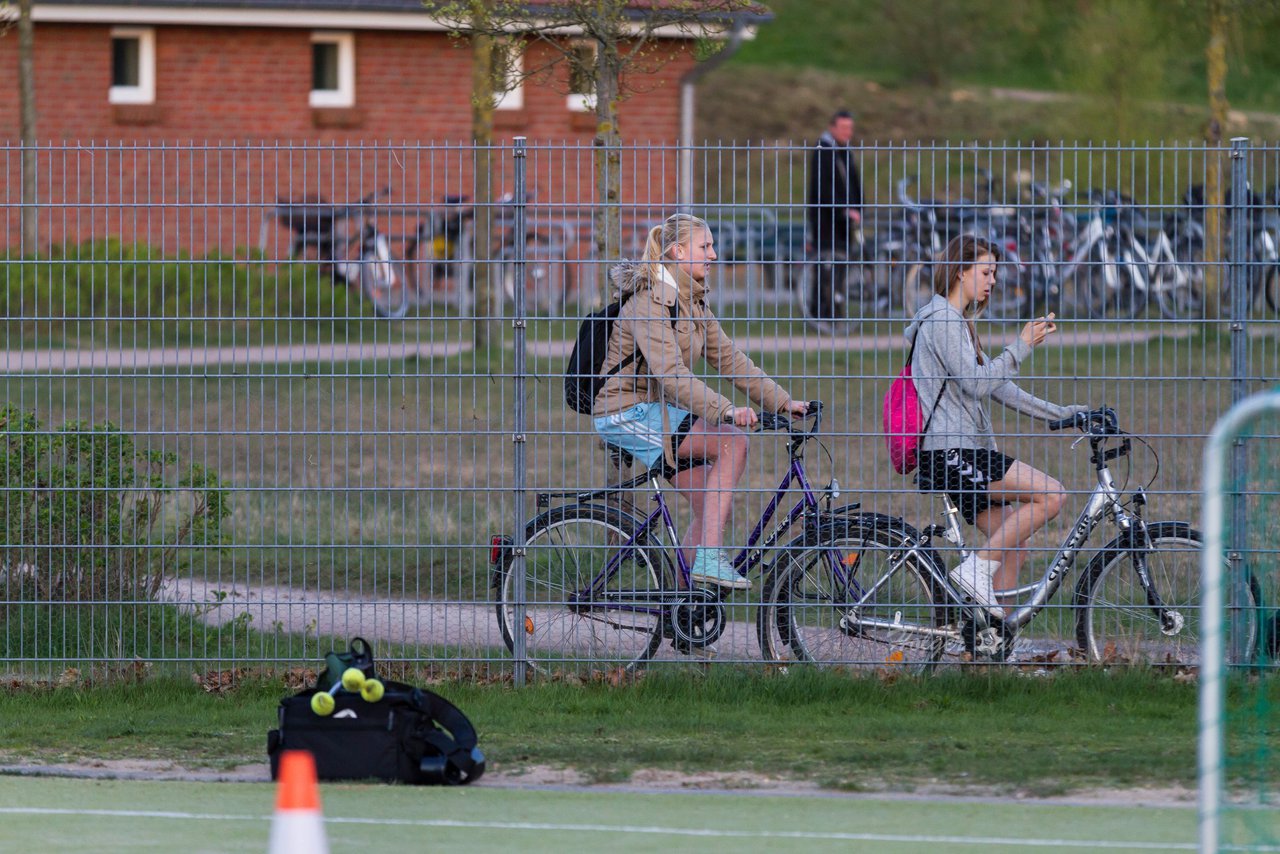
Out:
{"x": 974, "y": 577}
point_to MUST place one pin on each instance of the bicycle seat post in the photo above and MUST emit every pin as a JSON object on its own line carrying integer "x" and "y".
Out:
{"x": 951, "y": 513}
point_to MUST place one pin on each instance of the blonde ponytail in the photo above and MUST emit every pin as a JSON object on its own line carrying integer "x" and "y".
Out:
{"x": 653, "y": 253}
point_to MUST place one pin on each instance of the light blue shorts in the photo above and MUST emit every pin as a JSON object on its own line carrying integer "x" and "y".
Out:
{"x": 638, "y": 430}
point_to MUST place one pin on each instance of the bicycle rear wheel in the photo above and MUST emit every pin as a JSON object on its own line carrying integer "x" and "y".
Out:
{"x": 578, "y": 614}
{"x": 1117, "y": 624}
{"x": 881, "y": 608}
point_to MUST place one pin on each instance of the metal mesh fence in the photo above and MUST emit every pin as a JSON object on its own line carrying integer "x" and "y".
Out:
{"x": 261, "y": 398}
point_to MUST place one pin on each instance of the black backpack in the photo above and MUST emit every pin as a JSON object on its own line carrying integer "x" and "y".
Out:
{"x": 582, "y": 377}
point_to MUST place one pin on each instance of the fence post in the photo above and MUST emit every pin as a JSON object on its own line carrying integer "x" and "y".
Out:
{"x": 520, "y": 200}
{"x": 1241, "y": 293}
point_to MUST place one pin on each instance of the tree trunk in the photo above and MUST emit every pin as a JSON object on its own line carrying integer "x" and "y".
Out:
{"x": 608, "y": 160}
{"x": 484, "y": 329}
{"x": 27, "y": 109}
{"x": 1216, "y": 56}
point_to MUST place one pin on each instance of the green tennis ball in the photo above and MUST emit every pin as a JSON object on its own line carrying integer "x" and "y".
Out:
{"x": 353, "y": 679}
{"x": 372, "y": 690}
{"x": 322, "y": 703}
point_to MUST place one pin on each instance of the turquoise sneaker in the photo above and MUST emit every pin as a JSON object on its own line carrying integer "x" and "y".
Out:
{"x": 711, "y": 566}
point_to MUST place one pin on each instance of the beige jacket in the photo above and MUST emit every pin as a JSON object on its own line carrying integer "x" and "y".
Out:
{"x": 661, "y": 371}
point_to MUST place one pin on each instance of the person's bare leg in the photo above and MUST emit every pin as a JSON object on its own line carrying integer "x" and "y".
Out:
{"x": 725, "y": 449}
{"x": 1037, "y": 498}
{"x": 692, "y": 485}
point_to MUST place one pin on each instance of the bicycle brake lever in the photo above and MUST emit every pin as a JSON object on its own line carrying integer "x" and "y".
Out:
{"x": 1083, "y": 436}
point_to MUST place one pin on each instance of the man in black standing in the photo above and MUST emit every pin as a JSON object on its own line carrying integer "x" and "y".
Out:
{"x": 834, "y": 213}
{"x": 835, "y": 190}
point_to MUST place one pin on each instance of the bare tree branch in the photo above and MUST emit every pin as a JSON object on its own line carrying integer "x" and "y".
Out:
{"x": 623, "y": 33}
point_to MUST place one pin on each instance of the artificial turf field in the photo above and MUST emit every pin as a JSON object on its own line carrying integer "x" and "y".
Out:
{"x": 39, "y": 814}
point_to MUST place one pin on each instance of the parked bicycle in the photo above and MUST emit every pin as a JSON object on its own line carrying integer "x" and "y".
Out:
{"x": 546, "y": 280}
{"x": 929, "y": 227}
{"x": 606, "y": 584}
{"x": 1264, "y": 247}
{"x": 870, "y": 588}
{"x": 439, "y": 257}
{"x": 1119, "y": 262}
{"x": 349, "y": 246}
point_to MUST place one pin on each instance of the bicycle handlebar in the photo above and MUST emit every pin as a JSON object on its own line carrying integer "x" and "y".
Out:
{"x": 775, "y": 421}
{"x": 1095, "y": 422}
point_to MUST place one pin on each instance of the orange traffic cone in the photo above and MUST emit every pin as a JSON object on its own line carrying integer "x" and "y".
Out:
{"x": 298, "y": 827}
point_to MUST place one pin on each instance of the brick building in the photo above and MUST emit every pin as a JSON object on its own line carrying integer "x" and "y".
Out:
{"x": 176, "y": 121}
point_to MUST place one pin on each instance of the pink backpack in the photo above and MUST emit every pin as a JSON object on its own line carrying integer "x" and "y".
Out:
{"x": 902, "y": 417}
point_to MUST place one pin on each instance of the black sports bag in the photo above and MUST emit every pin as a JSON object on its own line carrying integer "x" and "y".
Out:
{"x": 409, "y": 735}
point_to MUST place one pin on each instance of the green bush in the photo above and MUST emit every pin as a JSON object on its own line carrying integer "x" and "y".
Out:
{"x": 110, "y": 279}
{"x": 89, "y": 517}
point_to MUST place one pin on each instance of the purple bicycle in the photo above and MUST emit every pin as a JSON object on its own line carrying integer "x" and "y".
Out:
{"x": 604, "y": 586}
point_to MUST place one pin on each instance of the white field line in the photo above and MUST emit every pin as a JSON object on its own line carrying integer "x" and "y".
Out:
{"x": 649, "y": 830}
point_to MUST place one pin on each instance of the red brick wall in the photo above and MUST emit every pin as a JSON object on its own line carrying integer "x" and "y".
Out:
{"x": 231, "y": 130}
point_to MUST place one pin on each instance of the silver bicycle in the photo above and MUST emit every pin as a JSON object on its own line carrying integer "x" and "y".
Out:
{"x": 889, "y": 602}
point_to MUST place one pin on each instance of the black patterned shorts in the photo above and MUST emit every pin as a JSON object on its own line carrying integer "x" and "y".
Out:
{"x": 964, "y": 474}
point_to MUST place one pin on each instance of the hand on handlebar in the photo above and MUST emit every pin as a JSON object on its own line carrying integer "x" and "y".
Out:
{"x": 1100, "y": 421}
{"x": 745, "y": 417}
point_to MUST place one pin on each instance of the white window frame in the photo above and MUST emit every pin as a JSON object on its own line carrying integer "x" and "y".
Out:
{"x": 513, "y": 97}
{"x": 345, "y": 94}
{"x": 582, "y": 102}
{"x": 145, "y": 91}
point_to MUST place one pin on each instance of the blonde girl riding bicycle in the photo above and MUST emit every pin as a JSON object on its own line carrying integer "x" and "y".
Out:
{"x": 659, "y": 411}
{"x": 1008, "y": 500}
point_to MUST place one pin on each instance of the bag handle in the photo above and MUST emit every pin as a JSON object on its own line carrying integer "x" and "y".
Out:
{"x": 359, "y": 654}
{"x": 460, "y": 761}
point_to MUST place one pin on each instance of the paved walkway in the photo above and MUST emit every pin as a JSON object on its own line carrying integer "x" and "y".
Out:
{"x": 471, "y": 626}
{"x": 121, "y": 359}
{"x": 43, "y": 361}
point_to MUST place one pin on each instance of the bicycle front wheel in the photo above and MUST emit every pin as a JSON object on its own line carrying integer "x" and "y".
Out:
{"x": 385, "y": 287}
{"x": 855, "y": 595}
{"x": 589, "y": 603}
{"x": 1118, "y": 622}
{"x": 1179, "y": 291}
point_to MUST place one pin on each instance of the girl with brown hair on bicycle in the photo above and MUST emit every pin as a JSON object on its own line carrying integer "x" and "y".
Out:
{"x": 1007, "y": 499}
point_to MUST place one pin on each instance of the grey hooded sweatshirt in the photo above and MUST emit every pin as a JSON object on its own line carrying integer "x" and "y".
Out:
{"x": 945, "y": 350}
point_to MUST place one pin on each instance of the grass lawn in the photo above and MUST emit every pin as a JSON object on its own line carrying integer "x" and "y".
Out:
{"x": 983, "y": 731}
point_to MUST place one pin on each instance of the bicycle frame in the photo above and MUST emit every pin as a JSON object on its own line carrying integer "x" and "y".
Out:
{"x": 1104, "y": 500}
{"x": 746, "y": 559}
